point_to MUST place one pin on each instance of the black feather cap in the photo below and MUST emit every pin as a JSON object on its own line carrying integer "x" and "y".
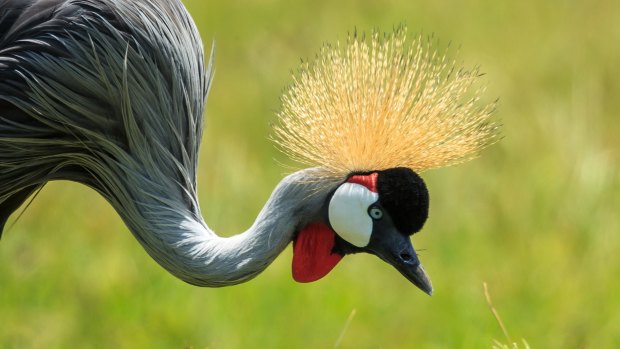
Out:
{"x": 403, "y": 194}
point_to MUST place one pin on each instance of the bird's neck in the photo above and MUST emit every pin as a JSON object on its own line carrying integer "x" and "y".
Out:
{"x": 181, "y": 242}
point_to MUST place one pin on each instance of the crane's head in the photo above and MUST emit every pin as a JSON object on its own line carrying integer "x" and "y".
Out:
{"x": 374, "y": 113}
{"x": 370, "y": 212}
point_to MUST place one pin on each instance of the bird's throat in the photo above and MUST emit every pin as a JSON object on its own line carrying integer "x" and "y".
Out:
{"x": 312, "y": 253}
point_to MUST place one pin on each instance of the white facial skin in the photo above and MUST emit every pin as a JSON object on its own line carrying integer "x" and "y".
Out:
{"x": 350, "y": 213}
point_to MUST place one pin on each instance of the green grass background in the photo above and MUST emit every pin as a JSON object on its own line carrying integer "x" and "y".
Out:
{"x": 536, "y": 216}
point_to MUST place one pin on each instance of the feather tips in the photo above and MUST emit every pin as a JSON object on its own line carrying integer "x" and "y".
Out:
{"x": 382, "y": 102}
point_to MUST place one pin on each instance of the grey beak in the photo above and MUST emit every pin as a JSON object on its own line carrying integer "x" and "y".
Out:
{"x": 418, "y": 277}
{"x": 397, "y": 250}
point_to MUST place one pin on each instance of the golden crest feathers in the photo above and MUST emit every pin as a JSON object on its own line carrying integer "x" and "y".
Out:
{"x": 380, "y": 102}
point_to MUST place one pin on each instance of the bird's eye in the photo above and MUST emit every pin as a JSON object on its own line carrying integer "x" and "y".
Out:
{"x": 375, "y": 213}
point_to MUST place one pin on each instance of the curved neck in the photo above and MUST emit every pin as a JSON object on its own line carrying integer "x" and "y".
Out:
{"x": 183, "y": 244}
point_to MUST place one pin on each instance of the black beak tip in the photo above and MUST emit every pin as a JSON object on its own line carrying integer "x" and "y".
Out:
{"x": 417, "y": 276}
{"x": 410, "y": 267}
{"x": 396, "y": 249}
{"x": 423, "y": 282}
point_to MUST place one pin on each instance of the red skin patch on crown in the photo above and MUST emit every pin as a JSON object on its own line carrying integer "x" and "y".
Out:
{"x": 369, "y": 181}
{"x": 312, "y": 253}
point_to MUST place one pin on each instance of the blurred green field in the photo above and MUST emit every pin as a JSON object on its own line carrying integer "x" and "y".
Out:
{"x": 536, "y": 216}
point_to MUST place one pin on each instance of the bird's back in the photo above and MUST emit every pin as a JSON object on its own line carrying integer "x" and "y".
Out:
{"x": 109, "y": 93}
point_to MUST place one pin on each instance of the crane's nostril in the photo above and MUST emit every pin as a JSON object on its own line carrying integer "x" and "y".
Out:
{"x": 406, "y": 256}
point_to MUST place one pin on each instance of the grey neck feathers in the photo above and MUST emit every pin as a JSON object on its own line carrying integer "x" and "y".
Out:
{"x": 182, "y": 243}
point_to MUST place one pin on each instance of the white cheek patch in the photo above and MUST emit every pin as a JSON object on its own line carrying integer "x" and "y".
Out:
{"x": 348, "y": 213}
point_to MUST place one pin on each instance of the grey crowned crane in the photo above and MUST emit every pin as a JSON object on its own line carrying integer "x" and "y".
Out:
{"x": 111, "y": 94}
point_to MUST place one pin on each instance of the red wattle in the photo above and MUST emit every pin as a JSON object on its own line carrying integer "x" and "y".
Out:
{"x": 312, "y": 253}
